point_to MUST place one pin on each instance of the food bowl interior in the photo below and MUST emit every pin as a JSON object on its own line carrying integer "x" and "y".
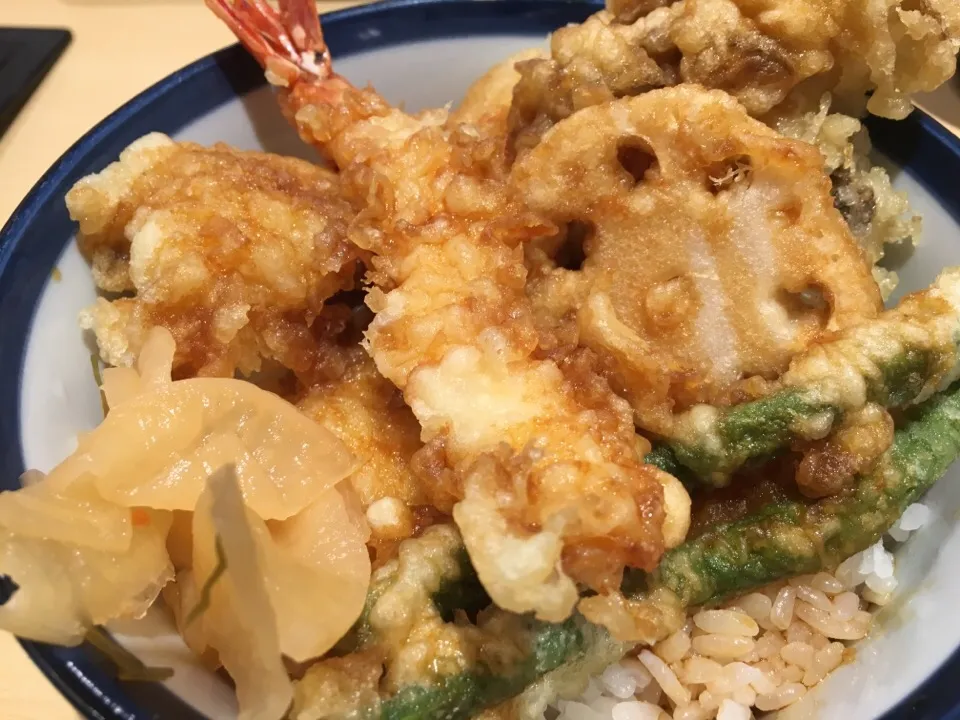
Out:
{"x": 59, "y": 399}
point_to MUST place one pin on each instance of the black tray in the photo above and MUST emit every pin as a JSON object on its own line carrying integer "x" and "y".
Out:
{"x": 26, "y": 54}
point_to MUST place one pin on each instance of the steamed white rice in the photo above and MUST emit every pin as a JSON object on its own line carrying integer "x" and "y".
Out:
{"x": 758, "y": 653}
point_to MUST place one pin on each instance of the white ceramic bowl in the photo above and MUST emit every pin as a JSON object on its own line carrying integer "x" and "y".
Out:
{"x": 423, "y": 54}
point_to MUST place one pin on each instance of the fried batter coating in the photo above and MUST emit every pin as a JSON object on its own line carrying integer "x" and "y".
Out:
{"x": 367, "y": 412}
{"x": 870, "y": 55}
{"x": 833, "y": 464}
{"x": 591, "y": 63}
{"x": 788, "y": 61}
{"x": 713, "y": 250}
{"x": 543, "y": 453}
{"x": 877, "y": 214}
{"x": 234, "y": 252}
{"x": 487, "y": 101}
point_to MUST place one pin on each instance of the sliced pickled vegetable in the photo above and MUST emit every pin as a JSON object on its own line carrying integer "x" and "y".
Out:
{"x": 64, "y": 588}
{"x": 317, "y": 570}
{"x": 74, "y": 515}
{"x": 240, "y": 622}
{"x": 162, "y": 439}
{"x": 314, "y": 567}
{"x": 154, "y": 367}
{"x": 157, "y": 448}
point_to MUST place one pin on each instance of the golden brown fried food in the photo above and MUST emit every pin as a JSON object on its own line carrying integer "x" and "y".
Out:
{"x": 868, "y": 54}
{"x": 779, "y": 58}
{"x": 877, "y": 214}
{"x": 831, "y": 465}
{"x": 543, "y": 453}
{"x": 591, "y": 63}
{"x": 487, "y": 101}
{"x": 233, "y": 252}
{"x": 367, "y": 413}
{"x": 713, "y": 251}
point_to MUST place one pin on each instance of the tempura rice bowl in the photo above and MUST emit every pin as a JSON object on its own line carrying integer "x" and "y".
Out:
{"x": 395, "y": 47}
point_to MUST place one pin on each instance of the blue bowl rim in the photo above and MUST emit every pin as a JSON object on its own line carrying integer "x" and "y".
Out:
{"x": 932, "y": 150}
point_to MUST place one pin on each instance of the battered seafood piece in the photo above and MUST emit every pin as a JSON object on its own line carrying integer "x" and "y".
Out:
{"x": 546, "y": 476}
{"x": 713, "y": 253}
{"x": 233, "y": 252}
{"x": 872, "y": 55}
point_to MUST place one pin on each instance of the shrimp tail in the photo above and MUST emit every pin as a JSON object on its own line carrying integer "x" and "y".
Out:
{"x": 287, "y": 42}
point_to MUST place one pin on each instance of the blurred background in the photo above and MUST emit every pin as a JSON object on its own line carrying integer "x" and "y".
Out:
{"x": 117, "y": 48}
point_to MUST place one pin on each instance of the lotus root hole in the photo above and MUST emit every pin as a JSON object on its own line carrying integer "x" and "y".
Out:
{"x": 573, "y": 250}
{"x": 792, "y": 212}
{"x": 723, "y": 174}
{"x": 811, "y": 301}
{"x": 637, "y": 157}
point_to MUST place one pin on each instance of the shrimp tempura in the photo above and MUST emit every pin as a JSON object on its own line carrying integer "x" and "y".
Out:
{"x": 537, "y": 454}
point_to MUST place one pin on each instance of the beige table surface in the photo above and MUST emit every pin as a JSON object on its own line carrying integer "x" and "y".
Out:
{"x": 119, "y": 48}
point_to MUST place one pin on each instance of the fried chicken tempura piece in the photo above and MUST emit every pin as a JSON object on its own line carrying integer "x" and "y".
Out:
{"x": 549, "y": 483}
{"x": 871, "y": 55}
{"x": 233, "y": 252}
{"x": 713, "y": 252}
